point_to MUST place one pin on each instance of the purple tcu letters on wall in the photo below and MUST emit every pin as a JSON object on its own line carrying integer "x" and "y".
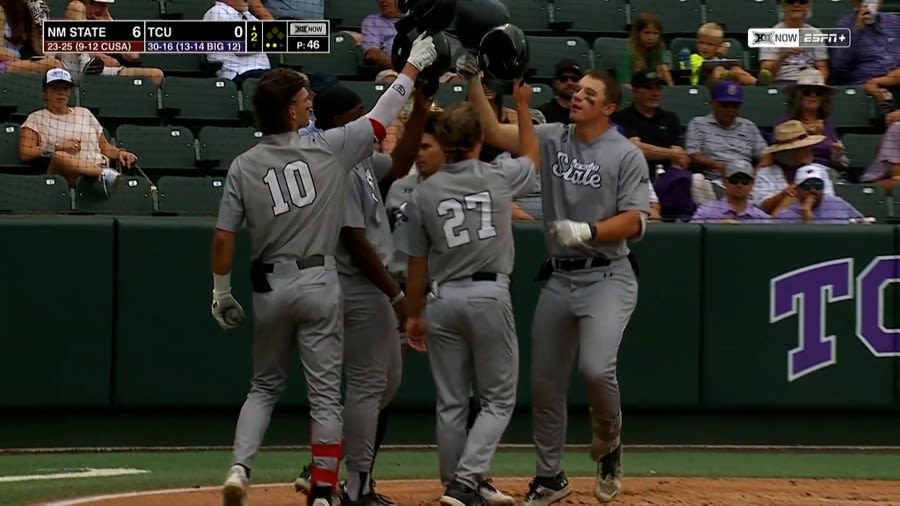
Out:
{"x": 807, "y": 291}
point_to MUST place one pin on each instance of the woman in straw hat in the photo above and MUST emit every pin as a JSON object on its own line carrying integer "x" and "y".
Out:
{"x": 809, "y": 101}
{"x": 773, "y": 190}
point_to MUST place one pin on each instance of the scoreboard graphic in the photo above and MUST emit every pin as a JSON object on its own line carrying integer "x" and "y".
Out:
{"x": 187, "y": 36}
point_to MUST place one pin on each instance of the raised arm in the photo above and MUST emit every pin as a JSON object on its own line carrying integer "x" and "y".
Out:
{"x": 404, "y": 153}
{"x": 528, "y": 142}
{"x": 503, "y": 137}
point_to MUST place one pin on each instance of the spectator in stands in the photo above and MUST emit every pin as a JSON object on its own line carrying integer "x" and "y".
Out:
{"x": 288, "y": 9}
{"x": 814, "y": 204}
{"x": 655, "y": 131}
{"x": 566, "y": 75}
{"x": 791, "y": 150}
{"x": 721, "y": 136}
{"x": 237, "y": 67}
{"x": 735, "y": 206}
{"x": 646, "y": 50}
{"x": 711, "y": 45}
{"x": 655, "y": 211}
{"x": 885, "y": 168}
{"x": 69, "y": 139}
{"x": 786, "y": 64}
{"x": 809, "y": 101}
{"x": 874, "y": 52}
{"x": 378, "y": 32}
{"x": 879, "y": 88}
{"x": 22, "y": 51}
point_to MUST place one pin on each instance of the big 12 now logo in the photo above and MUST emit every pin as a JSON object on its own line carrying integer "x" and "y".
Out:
{"x": 807, "y": 292}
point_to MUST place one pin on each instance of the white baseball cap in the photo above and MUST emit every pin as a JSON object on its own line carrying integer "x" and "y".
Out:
{"x": 58, "y": 75}
{"x": 810, "y": 172}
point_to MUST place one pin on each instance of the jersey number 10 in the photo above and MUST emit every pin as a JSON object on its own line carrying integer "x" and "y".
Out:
{"x": 454, "y": 232}
{"x": 300, "y": 185}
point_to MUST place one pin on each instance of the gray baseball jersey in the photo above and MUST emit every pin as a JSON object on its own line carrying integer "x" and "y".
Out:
{"x": 397, "y": 197}
{"x": 293, "y": 209}
{"x": 590, "y": 182}
{"x": 460, "y": 217}
{"x": 363, "y": 208}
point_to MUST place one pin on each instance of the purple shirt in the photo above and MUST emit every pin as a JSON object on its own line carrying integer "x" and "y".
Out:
{"x": 832, "y": 209}
{"x": 822, "y": 150}
{"x": 378, "y": 32}
{"x": 719, "y": 210}
{"x": 874, "y": 51}
{"x": 888, "y": 154}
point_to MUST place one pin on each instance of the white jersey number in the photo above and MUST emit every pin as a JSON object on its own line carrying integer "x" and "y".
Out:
{"x": 300, "y": 187}
{"x": 456, "y": 210}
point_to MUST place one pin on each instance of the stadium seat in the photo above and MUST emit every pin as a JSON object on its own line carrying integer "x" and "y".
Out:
{"x": 599, "y": 16}
{"x": 861, "y": 149}
{"x": 343, "y": 60}
{"x": 57, "y": 8}
{"x": 196, "y": 196}
{"x": 187, "y": 9}
{"x": 763, "y": 105}
{"x": 687, "y": 102}
{"x": 20, "y": 95}
{"x": 176, "y": 65}
{"x": 736, "y": 16}
{"x": 868, "y": 199}
{"x": 540, "y": 95}
{"x": 348, "y": 13}
{"x": 608, "y": 53}
{"x": 546, "y": 51}
{"x": 218, "y": 146}
{"x": 160, "y": 149}
{"x": 532, "y": 16}
{"x": 200, "y": 99}
{"x": 677, "y": 16}
{"x": 247, "y": 94}
{"x": 826, "y": 12}
{"x": 133, "y": 99}
{"x": 132, "y": 195}
{"x": 9, "y": 149}
{"x": 451, "y": 93}
{"x": 852, "y": 109}
{"x": 136, "y": 10}
{"x": 736, "y": 49}
{"x": 34, "y": 194}
{"x": 367, "y": 90}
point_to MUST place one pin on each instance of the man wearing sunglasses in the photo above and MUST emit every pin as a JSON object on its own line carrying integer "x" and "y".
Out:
{"x": 786, "y": 64}
{"x": 566, "y": 75}
{"x": 735, "y": 206}
{"x": 813, "y": 204}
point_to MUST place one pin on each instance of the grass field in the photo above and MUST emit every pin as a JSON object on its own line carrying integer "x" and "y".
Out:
{"x": 201, "y": 468}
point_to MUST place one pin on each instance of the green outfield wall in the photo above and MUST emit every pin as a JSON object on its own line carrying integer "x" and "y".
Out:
{"x": 102, "y": 313}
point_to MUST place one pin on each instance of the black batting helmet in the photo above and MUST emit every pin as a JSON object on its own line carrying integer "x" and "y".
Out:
{"x": 503, "y": 52}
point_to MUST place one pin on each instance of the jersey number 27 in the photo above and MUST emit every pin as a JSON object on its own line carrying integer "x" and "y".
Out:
{"x": 454, "y": 230}
{"x": 300, "y": 185}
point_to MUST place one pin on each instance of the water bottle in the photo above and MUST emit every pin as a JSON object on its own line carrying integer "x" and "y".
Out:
{"x": 684, "y": 59}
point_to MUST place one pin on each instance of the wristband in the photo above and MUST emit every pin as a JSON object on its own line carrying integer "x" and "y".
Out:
{"x": 221, "y": 283}
{"x": 397, "y": 298}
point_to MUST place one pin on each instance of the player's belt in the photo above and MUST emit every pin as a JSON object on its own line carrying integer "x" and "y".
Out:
{"x": 575, "y": 264}
{"x": 484, "y": 276}
{"x": 306, "y": 263}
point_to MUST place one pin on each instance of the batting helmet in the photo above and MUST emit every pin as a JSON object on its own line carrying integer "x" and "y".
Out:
{"x": 475, "y": 18}
{"x": 429, "y": 77}
{"x": 503, "y": 52}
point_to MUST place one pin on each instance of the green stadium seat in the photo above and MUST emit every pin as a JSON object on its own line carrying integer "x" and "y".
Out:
{"x": 861, "y": 149}
{"x": 200, "y": 99}
{"x": 187, "y": 9}
{"x": 132, "y": 195}
{"x": 544, "y": 52}
{"x": 34, "y": 194}
{"x": 120, "y": 98}
{"x": 136, "y": 10}
{"x": 195, "y": 196}
{"x": 532, "y": 16}
{"x": 852, "y": 108}
{"x": 600, "y": 16}
{"x": 735, "y": 49}
{"x": 540, "y": 95}
{"x": 826, "y": 12}
{"x": 57, "y": 8}
{"x": 20, "y": 95}
{"x": 763, "y": 105}
{"x": 160, "y": 149}
{"x": 868, "y": 199}
{"x": 736, "y": 16}
{"x": 218, "y": 146}
{"x": 343, "y": 61}
{"x": 608, "y": 53}
{"x": 369, "y": 91}
{"x": 247, "y": 95}
{"x": 451, "y": 93}
{"x": 687, "y": 102}
{"x": 178, "y": 65}
{"x": 348, "y": 13}
{"x": 677, "y": 16}
{"x": 9, "y": 149}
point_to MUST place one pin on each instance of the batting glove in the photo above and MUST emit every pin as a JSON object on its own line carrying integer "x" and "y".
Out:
{"x": 422, "y": 53}
{"x": 572, "y": 233}
{"x": 226, "y": 310}
{"x": 467, "y": 66}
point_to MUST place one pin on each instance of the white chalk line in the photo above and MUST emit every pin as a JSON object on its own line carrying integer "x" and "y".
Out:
{"x": 86, "y": 473}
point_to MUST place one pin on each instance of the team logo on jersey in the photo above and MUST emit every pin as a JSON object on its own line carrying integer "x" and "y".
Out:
{"x": 371, "y": 180}
{"x": 576, "y": 171}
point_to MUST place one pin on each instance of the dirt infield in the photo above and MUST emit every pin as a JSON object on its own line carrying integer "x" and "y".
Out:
{"x": 637, "y": 491}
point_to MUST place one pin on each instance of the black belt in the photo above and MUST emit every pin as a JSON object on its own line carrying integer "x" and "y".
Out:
{"x": 305, "y": 263}
{"x": 575, "y": 264}
{"x": 484, "y": 276}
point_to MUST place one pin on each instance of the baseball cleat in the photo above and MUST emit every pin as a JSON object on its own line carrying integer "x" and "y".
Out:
{"x": 492, "y": 496}
{"x": 609, "y": 476}
{"x": 457, "y": 494}
{"x": 234, "y": 491}
{"x": 320, "y": 502}
{"x": 545, "y": 491}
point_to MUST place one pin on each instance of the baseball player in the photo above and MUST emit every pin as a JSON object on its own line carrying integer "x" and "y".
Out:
{"x": 594, "y": 199}
{"x": 460, "y": 232}
{"x": 290, "y": 190}
{"x": 372, "y": 361}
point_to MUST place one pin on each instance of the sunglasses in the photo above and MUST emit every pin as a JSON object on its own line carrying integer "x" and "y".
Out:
{"x": 812, "y": 184}
{"x": 740, "y": 179}
{"x": 811, "y": 92}
{"x": 568, "y": 79}
{"x": 796, "y": 2}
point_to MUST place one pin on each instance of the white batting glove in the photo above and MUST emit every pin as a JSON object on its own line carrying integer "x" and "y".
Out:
{"x": 226, "y": 310}
{"x": 571, "y": 233}
{"x": 467, "y": 66}
{"x": 422, "y": 53}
